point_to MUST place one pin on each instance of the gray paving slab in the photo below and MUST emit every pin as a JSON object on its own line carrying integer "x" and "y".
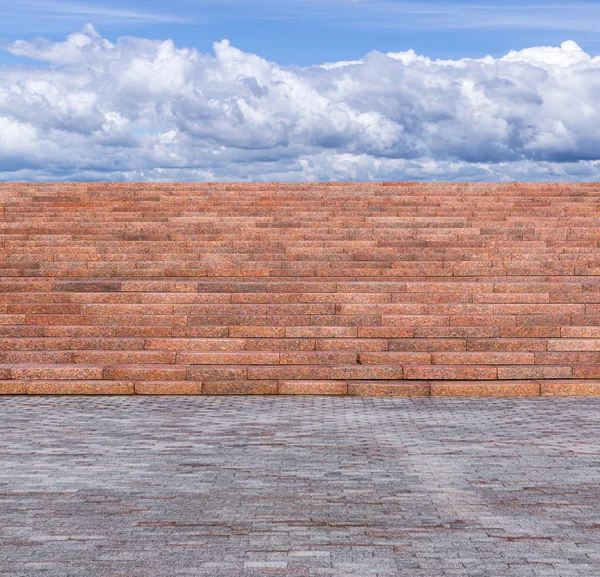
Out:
{"x": 299, "y": 486}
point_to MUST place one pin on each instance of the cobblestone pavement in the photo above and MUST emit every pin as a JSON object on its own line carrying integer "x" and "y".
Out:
{"x": 215, "y": 486}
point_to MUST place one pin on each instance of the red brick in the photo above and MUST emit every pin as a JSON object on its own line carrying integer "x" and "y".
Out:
{"x": 440, "y": 372}
{"x": 273, "y": 345}
{"x": 389, "y": 389}
{"x": 313, "y": 388}
{"x": 240, "y": 388}
{"x": 229, "y": 358}
{"x": 145, "y": 373}
{"x": 427, "y": 345}
{"x": 267, "y": 332}
{"x": 12, "y": 319}
{"x": 124, "y": 357}
{"x": 317, "y": 358}
{"x": 11, "y": 387}
{"x": 386, "y": 332}
{"x": 167, "y": 388}
{"x": 290, "y": 372}
{"x": 534, "y": 372}
{"x": 56, "y": 372}
{"x": 86, "y": 286}
{"x": 80, "y": 388}
{"x": 44, "y": 309}
{"x": 345, "y": 320}
{"x": 351, "y": 345}
{"x": 194, "y": 344}
{"x": 395, "y": 358}
{"x": 586, "y": 372}
{"x": 197, "y": 332}
{"x": 580, "y": 332}
{"x": 570, "y": 388}
{"x": 355, "y": 372}
{"x": 321, "y": 332}
{"x": 415, "y": 320}
{"x": 485, "y": 389}
{"x": 574, "y": 345}
{"x": 567, "y": 358}
{"x": 217, "y": 373}
{"x": 457, "y": 332}
{"x": 529, "y": 332}
{"x": 483, "y": 358}
{"x": 506, "y": 345}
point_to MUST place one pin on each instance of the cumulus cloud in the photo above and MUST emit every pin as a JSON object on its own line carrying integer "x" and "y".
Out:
{"x": 142, "y": 109}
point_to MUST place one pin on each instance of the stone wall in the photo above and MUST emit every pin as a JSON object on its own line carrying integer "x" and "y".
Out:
{"x": 328, "y": 288}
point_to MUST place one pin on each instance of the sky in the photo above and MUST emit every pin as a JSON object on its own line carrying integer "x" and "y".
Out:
{"x": 299, "y": 90}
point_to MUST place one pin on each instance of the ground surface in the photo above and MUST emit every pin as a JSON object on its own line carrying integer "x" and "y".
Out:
{"x": 170, "y": 486}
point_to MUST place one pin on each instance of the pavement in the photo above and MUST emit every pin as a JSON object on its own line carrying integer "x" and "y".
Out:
{"x": 242, "y": 486}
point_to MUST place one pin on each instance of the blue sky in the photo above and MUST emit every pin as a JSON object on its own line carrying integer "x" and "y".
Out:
{"x": 306, "y": 32}
{"x": 299, "y": 90}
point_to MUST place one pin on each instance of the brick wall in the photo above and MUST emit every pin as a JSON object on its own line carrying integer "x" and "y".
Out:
{"x": 379, "y": 288}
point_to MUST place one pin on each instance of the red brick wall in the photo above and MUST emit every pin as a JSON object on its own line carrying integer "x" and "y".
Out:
{"x": 391, "y": 288}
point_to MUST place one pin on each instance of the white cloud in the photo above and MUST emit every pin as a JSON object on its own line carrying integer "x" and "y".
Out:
{"x": 142, "y": 109}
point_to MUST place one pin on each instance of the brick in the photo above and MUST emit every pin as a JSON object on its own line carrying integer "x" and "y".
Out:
{"x": 440, "y": 372}
{"x": 584, "y": 373}
{"x": 399, "y": 332}
{"x": 529, "y": 332}
{"x": 427, "y": 345}
{"x": 320, "y": 332}
{"x": 56, "y": 372}
{"x": 395, "y": 358}
{"x": 167, "y": 388}
{"x": 240, "y": 388}
{"x": 217, "y": 373}
{"x": 351, "y": 345}
{"x": 483, "y": 358}
{"x": 345, "y": 320}
{"x": 485, "y": 389}
{"x": 194, "y": 344}
{"x": 36, "y": 357}
{"x": 80, "y": 388}
{"x": 279, "y": 344}
{"x": 389, "y": 388}
{"x": 573, "y": 345}
{"x": 506, "y": 345}
{"x": 534, "y": 372}
{"x": 10, "y": 387}
{"x": 265, "y": 332}
{"x": 144, "y": 373}
{"x": 317, "y": 358}
{"x": 44, "y": 309}
{"x": 567, "y": 358}
{"x": 290, "y": 372}
{"x": 12, "y": 319}
{"x": 456, "y": 332}
{"x": 229, "y": 358}
{"x": 355, "y": 372}
{"x": 571, "y": 388}
{"x": 313, "y": 388}
{"x": 483, "y": 320}
{"x": 196, "y": 332}
{"x": 86, "y": 286}
{"x": 371, "y": 287}
{"x": 415, "y": 320}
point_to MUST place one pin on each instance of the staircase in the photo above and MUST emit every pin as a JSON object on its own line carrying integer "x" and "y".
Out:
{"x": 328, "y": 288}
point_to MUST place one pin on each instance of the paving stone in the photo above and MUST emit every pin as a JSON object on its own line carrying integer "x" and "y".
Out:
{"x": 299, "y": 486}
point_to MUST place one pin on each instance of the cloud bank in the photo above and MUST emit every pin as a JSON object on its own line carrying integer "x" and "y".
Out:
{"x": 142, "y": 109}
